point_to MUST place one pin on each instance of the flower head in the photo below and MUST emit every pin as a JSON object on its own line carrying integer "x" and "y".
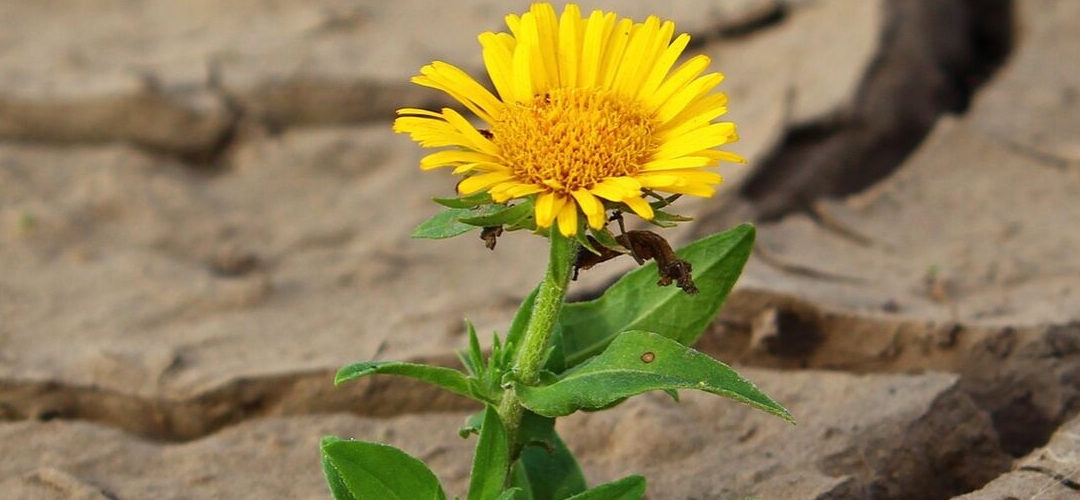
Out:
{"x": 589, "y": 115}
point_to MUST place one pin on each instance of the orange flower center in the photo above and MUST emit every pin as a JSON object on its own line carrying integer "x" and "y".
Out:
{"x": 570, "y": 139}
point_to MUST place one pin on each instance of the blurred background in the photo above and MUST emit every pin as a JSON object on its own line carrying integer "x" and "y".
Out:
{"x": 203, "y": 213}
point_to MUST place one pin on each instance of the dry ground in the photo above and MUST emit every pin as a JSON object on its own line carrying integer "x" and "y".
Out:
{"x": 203, "y": 213}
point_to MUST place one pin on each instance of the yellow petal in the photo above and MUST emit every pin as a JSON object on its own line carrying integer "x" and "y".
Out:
{"x": 701, "y": 139}
{"x": 640, "y": 207}
{"x": 593, "y": 46}
{"x": 678, "y": 79}
{"x": 513, "y": 21}
{"x": 613, "y": 53}
{"x": 610, "y": 191}
{"x": 547, "y": 29}
{"x": 432, "y": 133}
{"x": 592, "y": 207}
{"x": 525, "y": 190}
{"x": 501, "y": 191}
{"x": 692, "y": 189}
{"x": 547, "y": 207}
{"x": 677, "y": 163}
{"x": 522, "y": 72}
{"x": 480, "y": 167}
{"x": 530, "y": 43}
{"x": 498, "y": 53}
{"x": 724, "y": 156}
{"x": 456, "y": 81}
{"x": 418, "y": 112}
{"x": 568, "y": 219}
{"x": 663, "y": 64}
{"x": 686, "y": 95}
{"x": 451, "y": 157}
{"x": 569, "y": 50}
{"x": 626, "y": 183}
{"x": 697, "y": 182}
{"x": 697, "y": 175}
{"x": 698, "y": 114}
{"x": 477, "y": 183}
{"x": 627, "y": 77}
{"x": 476, "y": 140}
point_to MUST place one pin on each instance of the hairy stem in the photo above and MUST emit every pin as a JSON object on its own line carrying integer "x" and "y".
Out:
{"x": 529, "y": 356}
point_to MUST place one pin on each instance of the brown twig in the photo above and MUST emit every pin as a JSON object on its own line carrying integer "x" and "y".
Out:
{"x": 490, "y": 236}
{"x": 644, "y": 245}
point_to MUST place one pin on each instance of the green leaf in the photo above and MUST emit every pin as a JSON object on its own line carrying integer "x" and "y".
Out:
{"x": 375, "y": 470}
{"x": 637, "y": 362}
{"x": 583, "y": 240}
{"x": 604, "y": 237}
{"x": 470, "y": 201}
{"x": 556, "y": 359}
{"x": 444, "y": 224}
{"x": 512, "y": 494}
{"x": 667, "y": 219}
{"x": 498, "y": 363}
{"x": 668, "y": 216}
{"x": 473, "y": 423}
{"x": 658, "y": 204}
{"x": 546, "y": 469}
{"x": 338, "y": 489}
{"x": 473, "y": 358}
{"x": 636, "y": 302}
{"x": 492, "y": 459}
{"x": 447, "y": 378}
{"x": 447, "y": 224}
{"x": 627, "y": 488}
{"x": 528, "y": 223}
{"x": 509, "y": 215}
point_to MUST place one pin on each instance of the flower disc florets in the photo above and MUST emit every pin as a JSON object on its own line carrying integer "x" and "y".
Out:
{"x": 571, "y": 139}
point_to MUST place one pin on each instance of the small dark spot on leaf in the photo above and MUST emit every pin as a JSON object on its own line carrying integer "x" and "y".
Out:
{"x": 648, "y": 357}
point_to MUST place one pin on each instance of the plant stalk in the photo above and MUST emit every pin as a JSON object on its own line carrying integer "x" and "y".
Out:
{"x": 529, "y": 356}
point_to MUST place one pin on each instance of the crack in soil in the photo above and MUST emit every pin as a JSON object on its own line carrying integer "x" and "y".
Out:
{"x": 1026, "y": 378}
{"x": 183, "y": 419}
{"x": 927, "y": 66}
{"x": 1060, "y": 478}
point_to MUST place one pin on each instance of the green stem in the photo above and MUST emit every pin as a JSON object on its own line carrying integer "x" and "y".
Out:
{"x": 534, "y": 345}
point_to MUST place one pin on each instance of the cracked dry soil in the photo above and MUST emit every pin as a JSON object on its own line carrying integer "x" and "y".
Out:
{"x": 203, "y": 214}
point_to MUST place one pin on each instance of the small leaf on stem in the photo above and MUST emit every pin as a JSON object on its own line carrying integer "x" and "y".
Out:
{"x": 375, "y": 470}
{"x": 627, "y": 488}
{"x": 444, "y": 224}
{"x": 470, "y": 201}
{"x": 507, "y": 215}
{"x": 448, "y": 223}
{"x": 546, "y": 470}
{"x": 492, "y": 459}
{"x": 447, "y": 378}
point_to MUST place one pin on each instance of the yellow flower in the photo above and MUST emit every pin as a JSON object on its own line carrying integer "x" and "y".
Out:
{"x": 589, "y": 112}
